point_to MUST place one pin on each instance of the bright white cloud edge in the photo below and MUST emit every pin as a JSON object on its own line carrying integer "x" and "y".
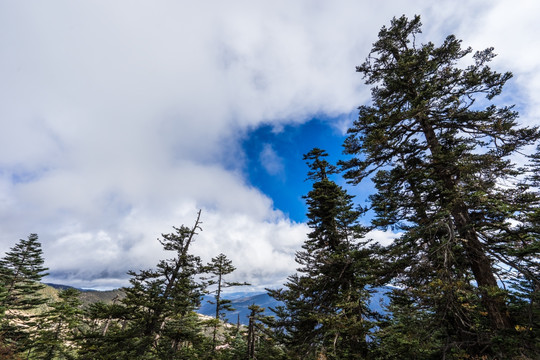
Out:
{"x": 117, "y": 125}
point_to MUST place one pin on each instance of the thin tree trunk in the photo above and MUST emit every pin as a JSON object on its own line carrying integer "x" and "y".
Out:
{"x": 218, "y": 307}
{"x": 171, "y": 281}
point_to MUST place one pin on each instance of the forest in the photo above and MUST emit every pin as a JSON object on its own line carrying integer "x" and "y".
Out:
{"x": 452, "y": 177}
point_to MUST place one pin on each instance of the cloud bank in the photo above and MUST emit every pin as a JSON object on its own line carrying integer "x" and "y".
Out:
{"x": 121, "y": 119}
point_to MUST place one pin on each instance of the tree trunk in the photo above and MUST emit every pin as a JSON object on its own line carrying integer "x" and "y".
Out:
{"x": 479, "y": 262}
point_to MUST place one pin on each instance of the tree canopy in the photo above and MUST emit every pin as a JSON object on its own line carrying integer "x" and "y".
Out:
{"x": 439, "y": 152}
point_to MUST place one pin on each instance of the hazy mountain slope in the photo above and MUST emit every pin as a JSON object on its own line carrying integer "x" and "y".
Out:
{"x": 91, "y": 296}
{"x": 241, "y": 302}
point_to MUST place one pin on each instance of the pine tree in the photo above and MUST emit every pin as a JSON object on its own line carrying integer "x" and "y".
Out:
{"x": 219, "y": 267}
{"x": 525, "y": 255}
{"x": 156, "y": 319}
{"x": 103, "y": 337}
{"x": 59, "y": 327}
{"x": 438, "y": 154}
{"x": 260, "y": 342}
{"x": 252, "y": 330}
{"x": 407, "y": 332}
{"x": 325, "y": 305}
{"x": 161, "y": 301}
{"x": 21, "y": 270}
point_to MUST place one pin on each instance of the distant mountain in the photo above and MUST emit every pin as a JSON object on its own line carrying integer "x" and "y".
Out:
{"x": 240, "y": 304}
{"x": 241, "y": 301}
{"x": 64, "y": 287}
{"x": 89, "y": 296}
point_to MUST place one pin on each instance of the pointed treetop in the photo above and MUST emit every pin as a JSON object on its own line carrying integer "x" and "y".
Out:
{"x": 319, "y": 167}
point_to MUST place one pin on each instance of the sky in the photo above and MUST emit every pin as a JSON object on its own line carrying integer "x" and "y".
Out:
{"x": 121, "y": 119}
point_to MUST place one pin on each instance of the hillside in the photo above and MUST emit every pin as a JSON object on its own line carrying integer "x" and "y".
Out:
{"x": 88, "y": 296}
{"x": 240, "y": 301}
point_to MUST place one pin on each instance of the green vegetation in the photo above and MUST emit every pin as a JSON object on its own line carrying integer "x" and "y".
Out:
{"x": 325, "y": 311}
{"x": 439, "y": 153}
{"x": 21, "y": 270}
{"x": 219, "y": 268}
{"x": 465, "y": 268}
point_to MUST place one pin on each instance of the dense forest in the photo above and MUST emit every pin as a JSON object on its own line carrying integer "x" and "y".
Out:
{"x": 464, "y": 271}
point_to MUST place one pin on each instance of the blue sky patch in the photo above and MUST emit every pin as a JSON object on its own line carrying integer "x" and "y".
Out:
{"x": 274, "y": 160}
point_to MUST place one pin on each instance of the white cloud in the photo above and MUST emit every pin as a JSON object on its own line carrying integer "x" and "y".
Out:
{"x": 120, "y": 119}
{"x": 271, "y": 161}
{"x": 512, "y": 29}
{"x": 381, "y": 237}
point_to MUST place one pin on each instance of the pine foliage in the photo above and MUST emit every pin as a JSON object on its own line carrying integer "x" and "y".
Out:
{"x": 325, "y": 311}
{"x": 439, "y": 153}
{"x": 21, "y": 270}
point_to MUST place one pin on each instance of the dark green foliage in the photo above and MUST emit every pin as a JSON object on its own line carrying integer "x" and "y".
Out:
{"x": 59, "y": 328}
{"x": 7, "y": 350}
{"x": 21, "y": 270}
{"x": 466, "y": 266}
{"x": 103, "y": 336}
{"x": 219, "y": 268}
{"x": 252, "y": 330}
{"x": 161, "y": 301}
{"x": 525, "y": 255}
{"x": 260, "y": 342}
{"x": 325, "y": 311}
{"x": 156, "y": 319}
{"x": 438, "y": 152}
{"x": 408, "y": 333}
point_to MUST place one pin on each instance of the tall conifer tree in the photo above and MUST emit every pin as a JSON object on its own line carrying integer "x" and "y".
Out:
{"x": 21, "y": 270}
{"x": 164, "y": 299}
{"x": 219, "y": 268}
{"x": 59, "y": 327}
{"x": 325, "y": 309}
{"x": 157, "y": 314}
{"x": 438, "y": 151}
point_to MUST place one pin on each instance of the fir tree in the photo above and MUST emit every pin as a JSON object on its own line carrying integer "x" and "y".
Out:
{"x": 525, "y": 256}
{"x": 325, "y": 305}
{"x": 252, "y": 330}
{"x": 260, "y": 342}
{"x": 162, "y": 300}
{"x": 220, "y": 267}
{"x": 438, "y": 153}
{"x": 156, "y": 319}
{"x": 59, "y": 327}
{"x": 21, "y": 270}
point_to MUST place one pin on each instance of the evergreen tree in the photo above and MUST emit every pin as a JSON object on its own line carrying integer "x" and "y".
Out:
{"x": 59, "y": 327}
{"x": 156, "y": 319}
{"x": 104, "y": 336}
{"x": 252, "y": 331}
{"x": 403, "y": 333}
{"x": 260, "y": 343}
{"x": 325, "y": 305}
{"x": 21, "y": 270}
{"x": 219, "y": 267}
{"x": 162, "y": 300}
{"x": 525, "y": 255}
{"x": 439, "y": 154}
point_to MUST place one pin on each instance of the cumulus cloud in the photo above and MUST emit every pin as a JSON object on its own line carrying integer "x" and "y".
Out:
{"x": 121, "y": 119}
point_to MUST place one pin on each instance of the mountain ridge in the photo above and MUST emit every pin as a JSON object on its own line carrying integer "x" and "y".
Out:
{"x": 240, "y": 301}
